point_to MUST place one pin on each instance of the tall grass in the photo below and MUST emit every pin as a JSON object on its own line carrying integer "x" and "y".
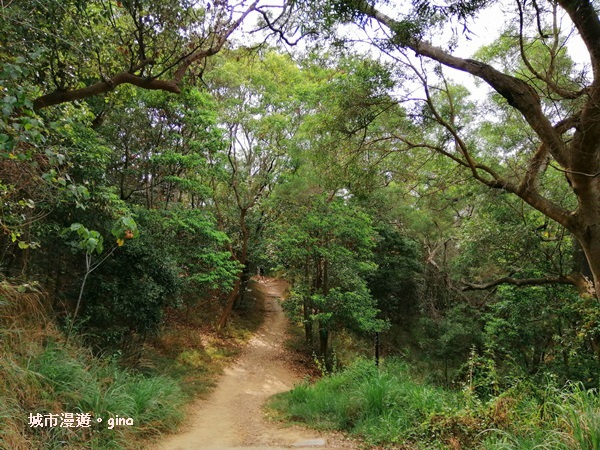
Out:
{"x": 391, "y": 406}
{"x": 567, "y": 419}
{"x": 381, "y": 406}
{"x": 534, "y": 440}
{"x": 39, "y": 374}
{"x": 580, "y": 414}
{"x": 81, "y": 384}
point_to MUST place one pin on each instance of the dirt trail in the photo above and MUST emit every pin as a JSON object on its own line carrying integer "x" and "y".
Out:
{"x": 232, "y": 416}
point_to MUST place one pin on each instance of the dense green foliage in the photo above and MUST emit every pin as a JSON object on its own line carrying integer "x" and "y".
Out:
{"x": 149, "y": 168}
{"x": 392, "y": 406}
{"x": 326, "y": 249}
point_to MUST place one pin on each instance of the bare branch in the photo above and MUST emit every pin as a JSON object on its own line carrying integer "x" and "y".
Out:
{"x": 574, "y": 172}
{"x": 517, "y": 92}
{"x": 215, "y": 48}
{"x": 583, "y": 14}
{"x": 279, "y": 32}
{"x": 547, "y": 78}
{"x": 540, "y": 160}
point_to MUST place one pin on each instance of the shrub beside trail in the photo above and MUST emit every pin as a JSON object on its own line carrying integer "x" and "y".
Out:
{"x": 44, "y": 376}
{"x": 391, "y": 407}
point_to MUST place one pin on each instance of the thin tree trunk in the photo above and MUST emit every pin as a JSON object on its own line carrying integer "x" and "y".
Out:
{"x": 323, "y": 342}
{"x": 229, "y": 306}
{"x": 242, "y": 259}
{"x": 307, "y": 304}
{"x": 308, "y": 329}
{"x": 88, "y": 270}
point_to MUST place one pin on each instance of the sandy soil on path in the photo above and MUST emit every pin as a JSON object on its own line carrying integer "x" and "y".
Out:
{"x": 232, "y": 416}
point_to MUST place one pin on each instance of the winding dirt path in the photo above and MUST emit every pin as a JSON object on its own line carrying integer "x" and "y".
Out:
{"x": 232, "y": 416}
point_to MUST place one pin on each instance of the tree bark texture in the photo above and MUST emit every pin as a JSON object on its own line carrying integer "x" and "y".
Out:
{"x": 578, "y": 154}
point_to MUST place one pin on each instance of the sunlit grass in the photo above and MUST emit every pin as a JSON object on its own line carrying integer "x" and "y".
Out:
{"x": 391, "y": 406}
{"x": 381, "y": 406}
{"x": 40, "y": 374}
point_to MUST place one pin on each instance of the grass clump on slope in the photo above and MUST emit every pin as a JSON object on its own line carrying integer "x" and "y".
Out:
{"x": 390, "y": 407}
{"x": 41, "y": 375}
{"x": 382, "y": 406}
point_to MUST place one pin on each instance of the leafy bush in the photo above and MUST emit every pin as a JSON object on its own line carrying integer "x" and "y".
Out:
{"x": 127, "y": 295}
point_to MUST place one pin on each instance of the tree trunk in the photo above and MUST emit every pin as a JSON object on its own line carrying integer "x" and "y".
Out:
{"x": 307, "y": 303}
{"x": 324, "y": 344}
{"x": 229, "y": 306}
{"x": 581, "y": 264}
{"x": 588, "y": 221}
{"x": 244, "y": 280}
{"x": 243, "y": 257}
{"x": 308, "y": 329}
{"x": 590, "y": 244}
{"x": 235, "y": 295}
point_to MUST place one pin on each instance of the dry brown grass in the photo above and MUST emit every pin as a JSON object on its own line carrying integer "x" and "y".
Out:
{"x": 191, "y": 349}
{"x": 503, "y": 412}
{"x": 23, "y": 304}
{"x": 24, "y": 325}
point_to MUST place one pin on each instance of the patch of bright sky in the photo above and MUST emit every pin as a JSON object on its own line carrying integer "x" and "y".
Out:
{"x": 483, "y": 30}
{"x": 491, "y": 22}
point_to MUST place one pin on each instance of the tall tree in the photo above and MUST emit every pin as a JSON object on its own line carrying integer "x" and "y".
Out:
{"x": 558, "y": 106}
{"x": 161, "y": 145}
{"x": 325, "y": 247}
{"x": 258, "y": 97}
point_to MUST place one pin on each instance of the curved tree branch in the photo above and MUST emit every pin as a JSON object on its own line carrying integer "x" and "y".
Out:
{"x": 129, "y": 77}
{"x": 517, "y": 92}
{"x": 583, "y": 14}
{"x": 108, "y": 85}
{"x": 215, "y": 48}
{"x": 519, "y": 95}
{"x": 574, "y": 280}
{"x": 270, "y": 24}
{"x": 547, "y": 78}
{"x": 541, "y": 159}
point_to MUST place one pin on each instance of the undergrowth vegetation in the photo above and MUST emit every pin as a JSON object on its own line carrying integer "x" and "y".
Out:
{"x": 460, "y": 228}
{"x": 44, "y": 376}
{"x": 393, "y": 407}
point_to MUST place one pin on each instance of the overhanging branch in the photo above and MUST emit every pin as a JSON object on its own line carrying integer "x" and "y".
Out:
{"x": 517, "y": 92}
{"x": 151, "y": 83}
{"x": 58, "y": 97}
{"x": 573, "y": 279}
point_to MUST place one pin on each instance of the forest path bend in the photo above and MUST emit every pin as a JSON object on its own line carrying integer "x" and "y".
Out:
{"x": 232, "y": 416}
